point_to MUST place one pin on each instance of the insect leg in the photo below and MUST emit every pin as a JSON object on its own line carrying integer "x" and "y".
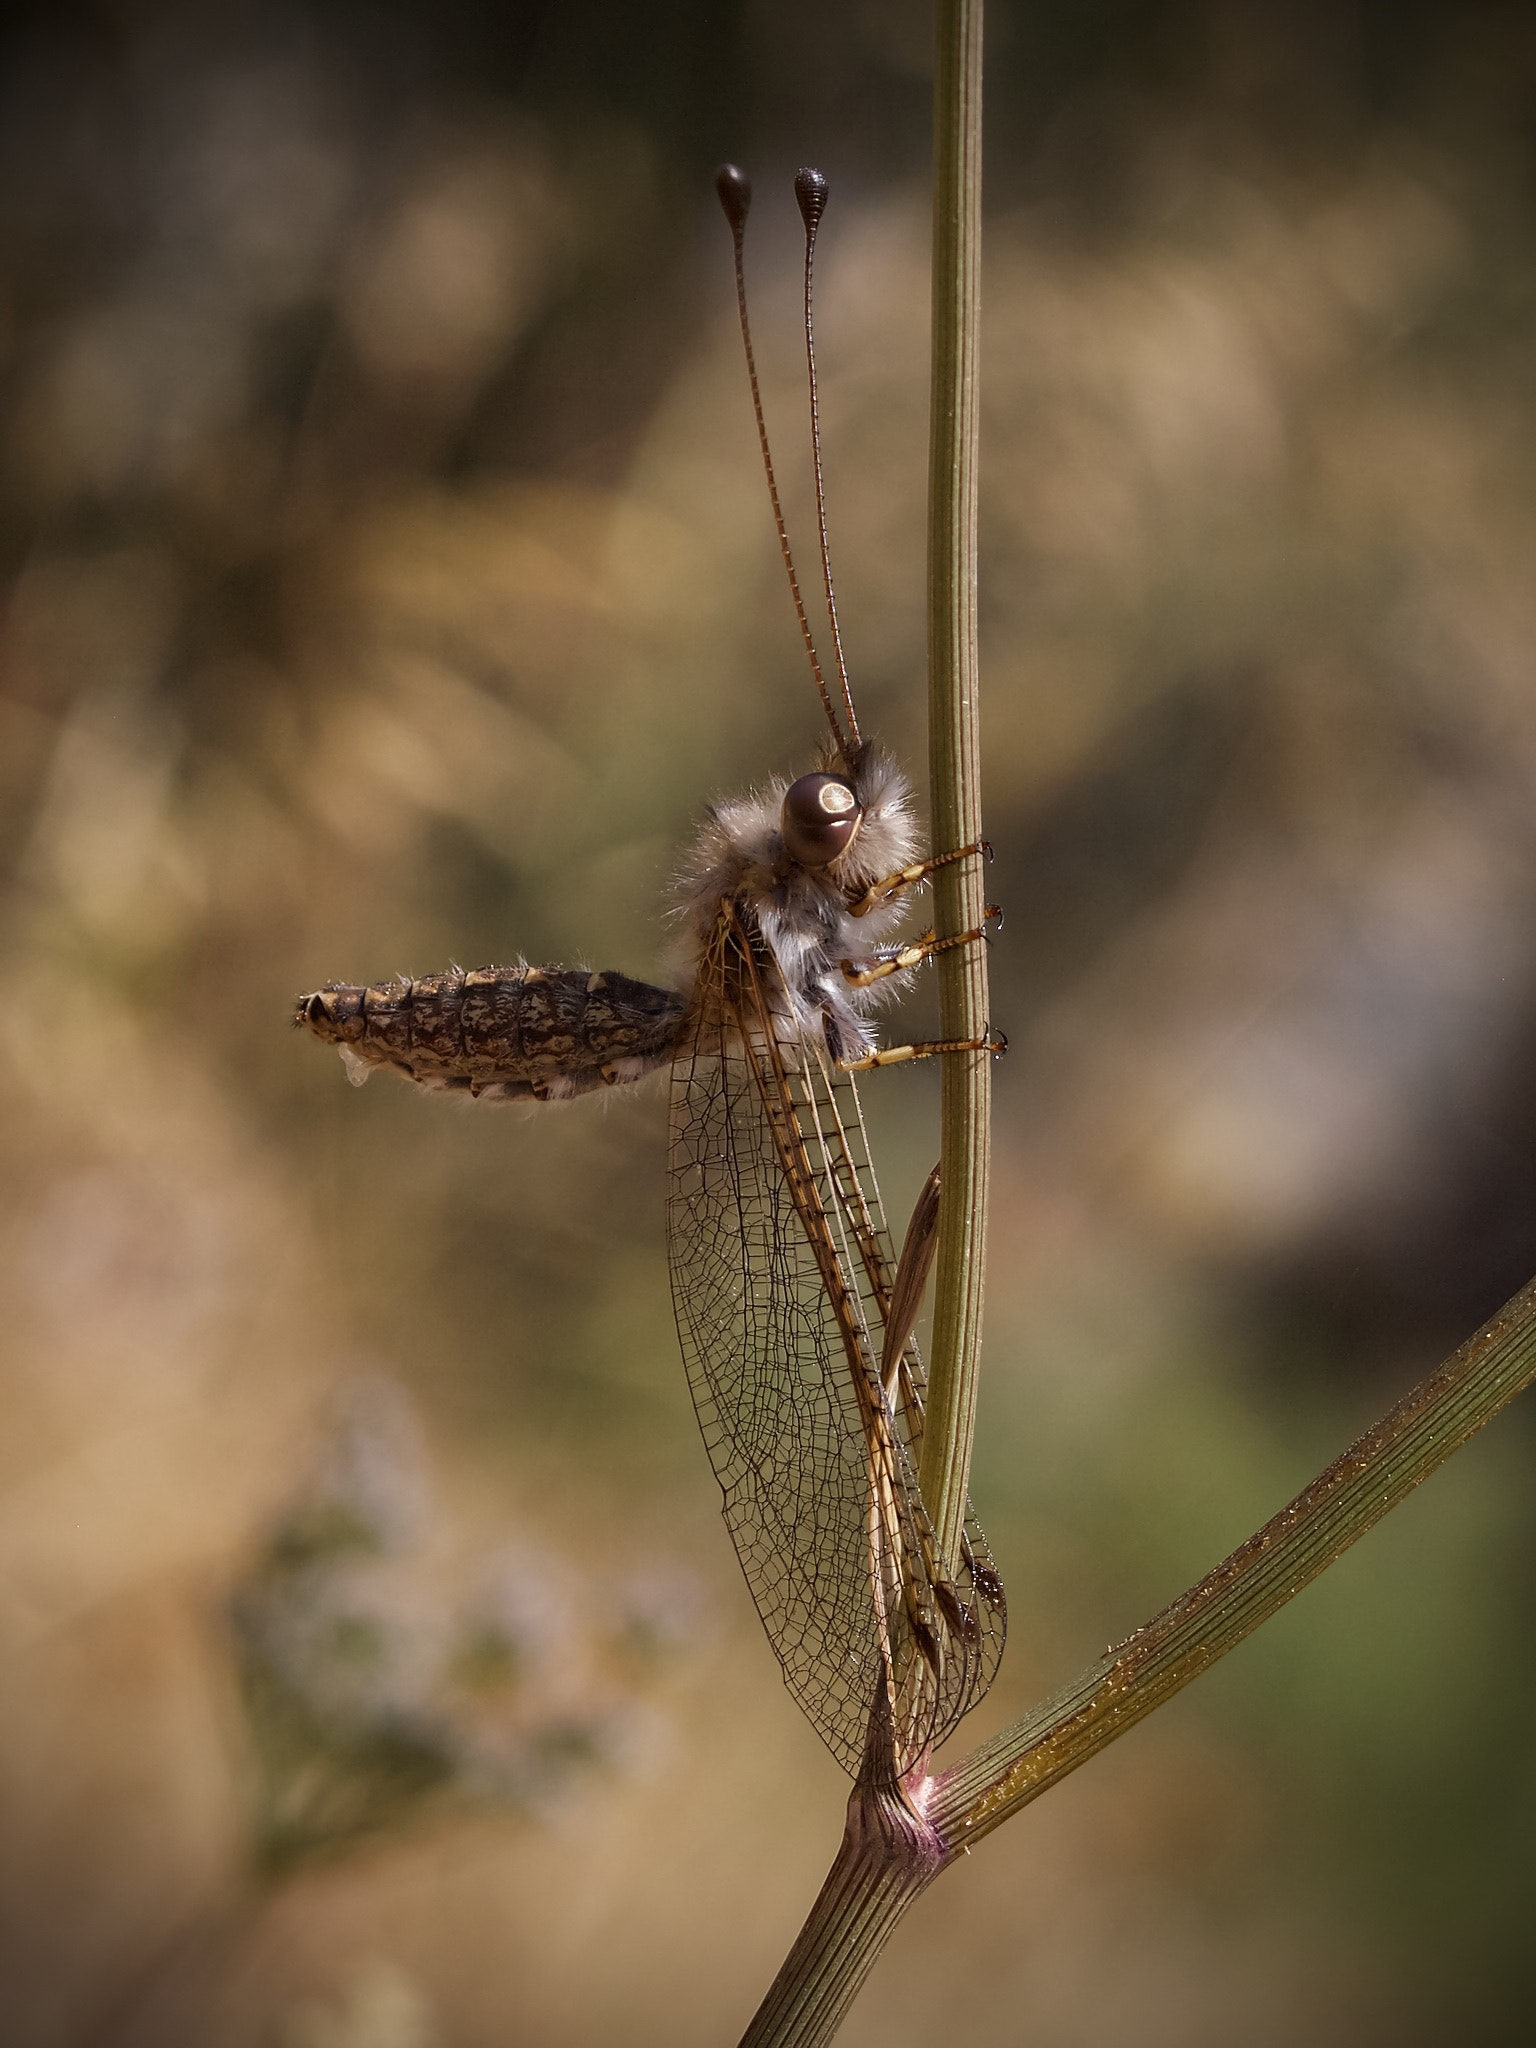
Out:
{"x": 897, "y": 959}
{"x": 908, "y": 878}
{"x": 907, "y": 1289}
{"x": 926, "y": 1049}
{"x": 912, "y": 1270}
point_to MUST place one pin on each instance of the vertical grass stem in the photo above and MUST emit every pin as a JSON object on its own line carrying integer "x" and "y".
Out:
{"x": 955, "y": 762}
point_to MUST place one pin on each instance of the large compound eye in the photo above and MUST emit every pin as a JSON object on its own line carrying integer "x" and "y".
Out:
{"x": 820, "y": 817}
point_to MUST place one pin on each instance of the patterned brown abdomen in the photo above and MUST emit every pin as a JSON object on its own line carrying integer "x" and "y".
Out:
{"x": 506, "y": 1033}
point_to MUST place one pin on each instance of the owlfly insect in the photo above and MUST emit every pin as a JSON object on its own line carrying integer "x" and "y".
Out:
{"x": 795, "y": 1316}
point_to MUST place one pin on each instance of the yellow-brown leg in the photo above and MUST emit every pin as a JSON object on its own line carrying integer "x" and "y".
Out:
{"x": 926, "y": 1049}
{"x": 908, "y": 878}
{"x": 863, "y": 973}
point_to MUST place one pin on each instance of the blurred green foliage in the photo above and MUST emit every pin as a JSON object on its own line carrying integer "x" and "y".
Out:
{"x": 380, "y": 1680}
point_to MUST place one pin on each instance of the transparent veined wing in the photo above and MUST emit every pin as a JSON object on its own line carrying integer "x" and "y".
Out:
{"x": 782, "y": 1275}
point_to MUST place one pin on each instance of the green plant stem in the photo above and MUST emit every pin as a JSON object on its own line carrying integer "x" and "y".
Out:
{"x": 888, "y": 1859}
{"x": 955, "y": 766}
{"x": 1380, "y": 1469}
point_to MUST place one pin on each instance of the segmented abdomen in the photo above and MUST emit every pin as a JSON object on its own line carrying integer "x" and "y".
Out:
{"x": 507, "y": 1033}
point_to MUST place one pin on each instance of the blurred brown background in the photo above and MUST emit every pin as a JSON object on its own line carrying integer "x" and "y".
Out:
{"x": 389, "y": 581}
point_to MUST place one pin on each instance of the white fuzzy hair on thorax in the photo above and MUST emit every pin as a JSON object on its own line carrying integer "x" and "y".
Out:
{"x": 802, "y": 912}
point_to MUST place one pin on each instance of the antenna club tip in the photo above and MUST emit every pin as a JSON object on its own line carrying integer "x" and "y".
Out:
{"x": 734, "y": 188}
{"x": 811, "y": 192}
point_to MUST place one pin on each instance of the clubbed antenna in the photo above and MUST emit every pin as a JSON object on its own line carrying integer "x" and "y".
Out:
{"x": 735, "y": 190}
{"x": 811, "y": 192}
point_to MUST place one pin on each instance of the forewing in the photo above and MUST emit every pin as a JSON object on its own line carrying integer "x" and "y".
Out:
{"x": 952, "y": 1621}
{"x": 781, "y": 1276}
{"x": 779, "y": 1415}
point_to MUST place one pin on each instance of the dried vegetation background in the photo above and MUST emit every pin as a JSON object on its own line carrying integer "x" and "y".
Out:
{"x": 389, "y": 582}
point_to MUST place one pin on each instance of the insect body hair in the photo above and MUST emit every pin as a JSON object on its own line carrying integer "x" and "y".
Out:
{"x": 802, "y": 912}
